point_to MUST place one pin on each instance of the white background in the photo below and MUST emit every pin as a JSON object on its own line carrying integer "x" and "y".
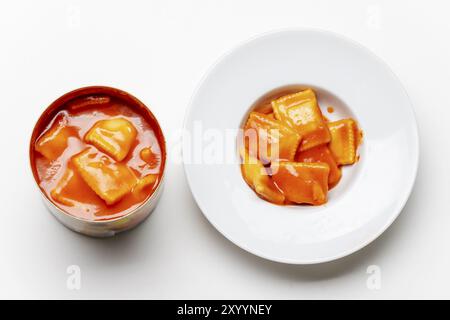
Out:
{"x": 158, "y": 51}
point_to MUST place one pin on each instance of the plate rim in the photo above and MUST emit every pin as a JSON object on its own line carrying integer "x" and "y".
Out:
{"x": 416, "y": 142}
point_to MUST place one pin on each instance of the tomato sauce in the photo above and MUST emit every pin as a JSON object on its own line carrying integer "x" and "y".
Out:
{"x": 76, "y": 113}
{"x": 311, "y": 149}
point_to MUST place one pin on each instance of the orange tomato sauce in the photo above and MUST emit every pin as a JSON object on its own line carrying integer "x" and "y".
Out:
{"x": 311, "y": 149}
{"x": 79, "y": 114}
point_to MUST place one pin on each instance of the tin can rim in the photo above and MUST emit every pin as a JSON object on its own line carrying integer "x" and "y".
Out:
{"x": 61, "y": 101}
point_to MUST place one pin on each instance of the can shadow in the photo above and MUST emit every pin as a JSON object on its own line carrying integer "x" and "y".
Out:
{"x": 124, "y": 249}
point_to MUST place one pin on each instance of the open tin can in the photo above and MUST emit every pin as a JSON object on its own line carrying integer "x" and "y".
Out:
{"x": 91, "y": 104}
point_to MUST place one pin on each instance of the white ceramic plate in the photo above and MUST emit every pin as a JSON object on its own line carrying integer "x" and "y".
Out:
{"x": 356, "y": 83}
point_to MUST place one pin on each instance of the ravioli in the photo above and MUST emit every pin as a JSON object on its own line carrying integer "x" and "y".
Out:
{"x": 71, "y": 190}
{"x": 258, "y": 179}
{"x": 52, "y": 143}
{"x": 322, "y": 154}
{"x": 344, "y": 140}
{"x": 144, "y": 182}
{"x": 58, "y": 193}
{"x": 110, "y": 180}
{"x": 299, "y": 152}
{"x": 301, "y": 111}
{"x": 114, "y": 136}
{"x": 302, "y": 183}
{"x": 272, "y": 136}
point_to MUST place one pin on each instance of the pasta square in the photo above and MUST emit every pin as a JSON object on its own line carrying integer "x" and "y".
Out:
{"x": 301, "y": 111}
{"x": 113, "y": 136}
{"x": 322, "y": 154}
{"x": 344, "y": 140}
{"x": 272, "y": 135}
{"x": 71, "y": 190}
{"x": 110, "y": 181}
{"x": 59, "y": 192}
{"x": 302, "y": 182}
{"x": 144, "y": 182}
{"x": 258, "y": 179}
{"x": 52, "y": 143}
